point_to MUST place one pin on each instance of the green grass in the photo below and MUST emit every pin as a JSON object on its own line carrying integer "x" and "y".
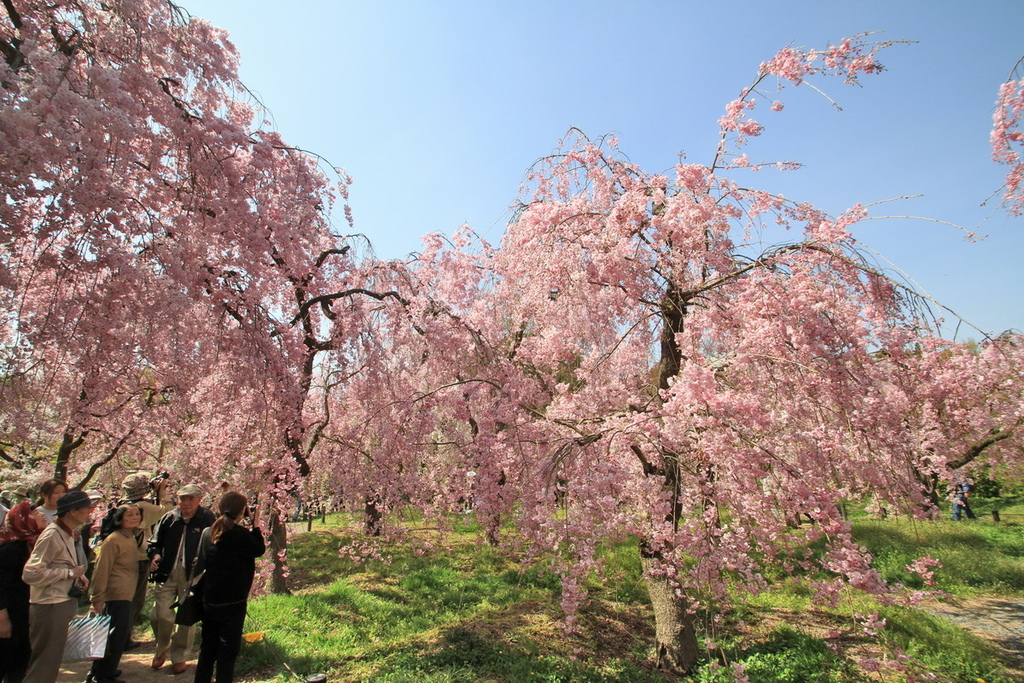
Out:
{"x": 470, "y": 613}
{"x": 465, "y": 614}
{"x": 786, "y": 655}
{"x": 977, "y": 556}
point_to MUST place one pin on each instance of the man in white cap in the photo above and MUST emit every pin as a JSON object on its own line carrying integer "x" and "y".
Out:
{"x": 173, "y": 550}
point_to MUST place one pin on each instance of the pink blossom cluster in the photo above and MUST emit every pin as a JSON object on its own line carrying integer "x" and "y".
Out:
{"x": 848, "y": 59}
{"x": 925, "y": 568}
{"x": 1007, "y": 140}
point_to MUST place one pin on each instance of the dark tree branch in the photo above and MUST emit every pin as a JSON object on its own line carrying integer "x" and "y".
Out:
{"x": 331, "y": 252}
{"x": 995, "y": 435}
{"x": 4, "y": 456}
{"x": 110, "y": 456}
{"x": 326, "y": 299}
{"x": 68, "y": 445}
{"x": 13, "y": 14}
{"x": 65, "y": 45}
{"x": 648, "y": 467}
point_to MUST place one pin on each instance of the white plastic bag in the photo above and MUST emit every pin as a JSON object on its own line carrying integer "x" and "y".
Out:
{"x": 87, "y": 638}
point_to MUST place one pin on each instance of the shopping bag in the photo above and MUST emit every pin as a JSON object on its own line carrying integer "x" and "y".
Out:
{"x": 87, "y": 638}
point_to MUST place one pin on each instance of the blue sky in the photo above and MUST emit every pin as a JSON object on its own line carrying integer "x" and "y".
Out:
{"x": 437, "y": 109}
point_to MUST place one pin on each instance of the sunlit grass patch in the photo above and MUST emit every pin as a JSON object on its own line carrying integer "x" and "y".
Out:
{"x": 976, "y": 556}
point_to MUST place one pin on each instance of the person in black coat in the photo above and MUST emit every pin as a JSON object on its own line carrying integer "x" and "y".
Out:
{"x": 18, "y": 534}
{"x": 228, "y": 553}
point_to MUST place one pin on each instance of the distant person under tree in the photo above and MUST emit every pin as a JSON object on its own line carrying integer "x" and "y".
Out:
{"x": 961, "y": 506}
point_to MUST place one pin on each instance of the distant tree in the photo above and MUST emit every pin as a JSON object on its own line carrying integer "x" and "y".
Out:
{"x": 970, "y": 403}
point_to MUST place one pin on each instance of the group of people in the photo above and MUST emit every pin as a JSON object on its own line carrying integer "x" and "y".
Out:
{"x": 48, "y": 568}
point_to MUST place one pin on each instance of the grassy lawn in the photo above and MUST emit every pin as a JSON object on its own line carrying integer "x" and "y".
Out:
{"x": 466, "y": 612}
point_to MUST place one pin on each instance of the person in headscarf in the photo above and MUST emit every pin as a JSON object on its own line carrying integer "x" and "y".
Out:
{"x": 18, "y": 533}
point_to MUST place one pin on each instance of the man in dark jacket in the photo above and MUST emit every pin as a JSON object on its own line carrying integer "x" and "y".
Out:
{"x": 172, "y": 552}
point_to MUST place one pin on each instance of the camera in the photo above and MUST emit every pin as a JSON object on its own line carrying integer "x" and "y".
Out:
{"x": 159, "y": 478}
{"x": 159, "y": 576}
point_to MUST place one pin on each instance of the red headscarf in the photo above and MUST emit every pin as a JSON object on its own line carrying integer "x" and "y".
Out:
{"x": 19, "y": 525}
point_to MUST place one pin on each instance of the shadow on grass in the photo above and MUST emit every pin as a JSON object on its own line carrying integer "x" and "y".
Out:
{"x": 525, "y": 642}
{"x": 972, "y": 554}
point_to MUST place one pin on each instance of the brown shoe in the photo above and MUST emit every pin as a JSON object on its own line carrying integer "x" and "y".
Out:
{"x": 158, "y": 661}
{"x": 179, "y": 668}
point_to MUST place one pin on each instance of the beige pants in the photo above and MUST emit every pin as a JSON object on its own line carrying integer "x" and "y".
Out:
{"x": 48, "y": 633}
{"x": 172, "y": 641}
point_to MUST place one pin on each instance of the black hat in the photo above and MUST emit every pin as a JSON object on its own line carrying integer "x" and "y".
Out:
{"x": 72, "y": 500}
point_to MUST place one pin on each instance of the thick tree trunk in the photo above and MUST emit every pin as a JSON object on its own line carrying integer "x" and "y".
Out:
{"x": 493, "y": 528}
{"x": 493, "y": 520}
{"x": 373, "y": 516}
{"x": 278, "y": 543}
{"x": 675, "y": 636}
{"x": 67, "y": 446}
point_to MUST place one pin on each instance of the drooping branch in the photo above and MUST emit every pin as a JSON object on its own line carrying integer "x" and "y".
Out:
{"x": 100, "y": 463}
{"x": 4, "y": 456}
{"x": 994, "y": 436}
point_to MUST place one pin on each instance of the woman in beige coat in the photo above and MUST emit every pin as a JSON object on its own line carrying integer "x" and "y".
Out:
{"x": 113, "y": 586}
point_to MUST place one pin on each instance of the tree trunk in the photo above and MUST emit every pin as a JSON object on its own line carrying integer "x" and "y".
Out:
{"x": 493, "y": 527}
{"x": 373, "y": 516}
{"x": 278, "y": 543}
{"x": 67, "y": 446}
{"x": 675, "y": 636}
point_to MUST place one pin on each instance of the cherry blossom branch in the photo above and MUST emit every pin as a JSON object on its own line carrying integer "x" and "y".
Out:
{"x": 476, "y": 380}
{"x": 1007, "y": 138}
{"x": 995, "y": 435}
{"x": 110, "y": 456}
{"x": 850, "y": 58}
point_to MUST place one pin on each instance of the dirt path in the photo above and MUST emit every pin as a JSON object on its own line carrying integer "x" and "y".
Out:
{"x": 135, "y": 667}
{"x": 998, "y": 620}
